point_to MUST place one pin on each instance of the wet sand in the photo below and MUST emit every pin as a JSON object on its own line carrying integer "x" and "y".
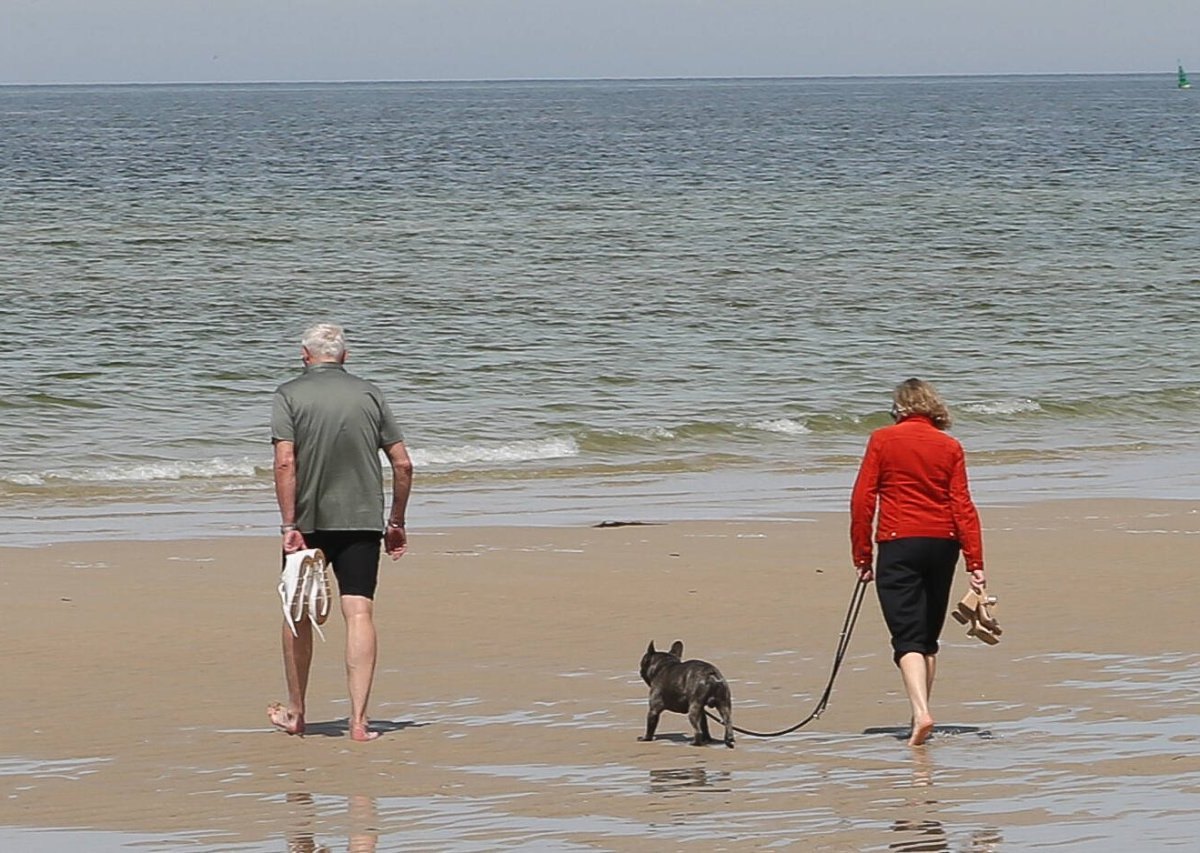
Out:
{"x": 136, "y": 676}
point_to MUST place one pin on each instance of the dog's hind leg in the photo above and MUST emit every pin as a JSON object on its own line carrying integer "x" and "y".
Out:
{"x": 699, "y": 721}
{"x": 722, "y": 702}
{"x": 725, "y": 709}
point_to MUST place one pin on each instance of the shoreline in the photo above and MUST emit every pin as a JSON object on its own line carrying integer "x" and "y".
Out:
{"x": 510, "y": 702}
{"x": 739, "y": 494}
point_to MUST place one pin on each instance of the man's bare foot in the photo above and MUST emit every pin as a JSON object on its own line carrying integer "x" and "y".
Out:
{"x": 362, "y": 734}
{"x": 282, "y": 718}
{"x": 922, "y": 727}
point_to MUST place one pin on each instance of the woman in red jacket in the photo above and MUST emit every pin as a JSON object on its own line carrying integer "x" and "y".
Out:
{"x": 916, "y": 477}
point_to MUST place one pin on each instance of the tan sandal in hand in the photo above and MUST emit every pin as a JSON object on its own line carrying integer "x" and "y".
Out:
{"x": 985, "y": 617}
{"x": 967, "y": 608}
{"x": 974, "y": 611}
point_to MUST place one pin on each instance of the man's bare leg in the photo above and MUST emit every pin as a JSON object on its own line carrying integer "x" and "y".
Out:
{"x": 297, "y": 661}
{"x": 915, "y": 671}
{"x": 359, "y": 613}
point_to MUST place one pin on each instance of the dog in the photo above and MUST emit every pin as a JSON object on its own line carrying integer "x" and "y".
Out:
{"x": 685, "y": 687}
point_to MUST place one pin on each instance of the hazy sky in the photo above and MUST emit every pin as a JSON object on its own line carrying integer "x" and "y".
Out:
{"x": 46, "y": 41}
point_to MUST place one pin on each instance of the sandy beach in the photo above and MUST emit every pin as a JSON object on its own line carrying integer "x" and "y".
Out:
{"x": 137, "y": 674}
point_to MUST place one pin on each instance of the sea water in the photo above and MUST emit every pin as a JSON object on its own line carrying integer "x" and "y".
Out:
{"x": 591, "y": 300}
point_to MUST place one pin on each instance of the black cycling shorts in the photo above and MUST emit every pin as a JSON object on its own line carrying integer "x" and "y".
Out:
{"x": 354, "y": 556}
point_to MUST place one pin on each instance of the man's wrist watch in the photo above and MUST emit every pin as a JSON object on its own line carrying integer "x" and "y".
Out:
{"x": 287, "y": 528}
{"x": 393, "y": 525}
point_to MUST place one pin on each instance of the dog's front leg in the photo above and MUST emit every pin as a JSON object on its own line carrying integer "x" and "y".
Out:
{"x": 652, "y": 721}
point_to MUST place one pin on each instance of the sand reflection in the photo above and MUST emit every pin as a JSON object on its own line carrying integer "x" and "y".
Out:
{"x": 930, "y": 836}
{"x": 674, "y": 779}
{"x": 922, "y": 769}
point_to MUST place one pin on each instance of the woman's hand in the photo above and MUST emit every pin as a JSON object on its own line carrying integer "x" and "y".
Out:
{"x": 865, "y": 573}
{"x": 978, "y": 581}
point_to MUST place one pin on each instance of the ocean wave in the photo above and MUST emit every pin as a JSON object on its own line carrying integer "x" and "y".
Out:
{"x": 1143, "y": 404}
{"x": 76, "y": 374}
{"x": 1016, "y": 406}
{"x": 783, "y": 426}
{"x": 132, "y": 473}
{"x": 654, "y": 433}
{"x": 22, "y": 479}
{"x": 140, "y": 472}
{"x": 846, "y": 424}
{"x": 637, "y": 439}
{"x": 40, "y": 399}
{"x": 513, "y": 451}
{"x": 651, "y": 433}
{"x": 605, "y": 441}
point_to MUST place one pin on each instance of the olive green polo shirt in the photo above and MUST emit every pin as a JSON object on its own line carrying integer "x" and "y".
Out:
{"x": 338, "y": 424}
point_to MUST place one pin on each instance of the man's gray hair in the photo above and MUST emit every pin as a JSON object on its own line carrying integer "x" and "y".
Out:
{"x": 325, "y": 340}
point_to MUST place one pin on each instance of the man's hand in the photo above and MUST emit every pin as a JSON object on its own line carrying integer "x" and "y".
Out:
{"x": 865, "y": 573}
{"x": 395, "y": 542}
{"x": 293, "y": 541}
{"x": 978, "y": 580}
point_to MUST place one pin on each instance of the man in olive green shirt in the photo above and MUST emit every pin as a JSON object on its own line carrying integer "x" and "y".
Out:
{"x": 328, "y": 427}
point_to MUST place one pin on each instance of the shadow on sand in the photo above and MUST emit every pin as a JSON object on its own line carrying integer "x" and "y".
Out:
{"x": 341, "y": 728}
{"x": 904, "y": 732}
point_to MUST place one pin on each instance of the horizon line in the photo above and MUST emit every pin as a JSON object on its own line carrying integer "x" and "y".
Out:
{"x": 631, "y": 79}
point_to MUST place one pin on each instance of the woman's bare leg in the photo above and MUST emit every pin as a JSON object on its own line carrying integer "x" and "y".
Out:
{"x": 918, "y": 678}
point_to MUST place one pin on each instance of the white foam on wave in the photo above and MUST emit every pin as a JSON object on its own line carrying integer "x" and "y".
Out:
{"x": 141, "y": 472}
{"x": 784, "y": 426}
{"x": 24, "y": 479}
{"x": 1002, "y": 407}
{"x": 247, "y": 468}
{"x": 653, "y": 433}
{"x": 513, "y": 451}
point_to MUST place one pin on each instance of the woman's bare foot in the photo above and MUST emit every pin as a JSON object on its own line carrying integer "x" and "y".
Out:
{"x": 362, "y": 734}
{"x": 922, "y": 728}
{"x": 282, "y": 718}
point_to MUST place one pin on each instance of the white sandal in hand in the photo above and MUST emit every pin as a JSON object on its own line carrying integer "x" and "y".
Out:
{"x": 304, "y": 589}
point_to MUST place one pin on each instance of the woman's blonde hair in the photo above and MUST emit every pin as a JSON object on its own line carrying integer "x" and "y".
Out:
{"x": 918, "y": 397}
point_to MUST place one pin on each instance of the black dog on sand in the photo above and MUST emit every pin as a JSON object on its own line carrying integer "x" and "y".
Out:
{"x": 686, "y": 687}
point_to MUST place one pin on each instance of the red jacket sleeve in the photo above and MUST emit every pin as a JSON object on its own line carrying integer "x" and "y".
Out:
{"x": 966, "y": 518}
{"x": 862, "y": 506}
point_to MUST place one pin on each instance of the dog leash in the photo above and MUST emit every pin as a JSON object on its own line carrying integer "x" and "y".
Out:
{"x": 856, "y": 600}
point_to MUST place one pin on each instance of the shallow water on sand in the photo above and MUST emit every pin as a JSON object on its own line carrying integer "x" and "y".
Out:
{"x": 1111, "y": 760}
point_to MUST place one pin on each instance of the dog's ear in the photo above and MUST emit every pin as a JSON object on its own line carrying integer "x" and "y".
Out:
{"x": 677, "y": 648}
{"x": 650, "y": 648}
